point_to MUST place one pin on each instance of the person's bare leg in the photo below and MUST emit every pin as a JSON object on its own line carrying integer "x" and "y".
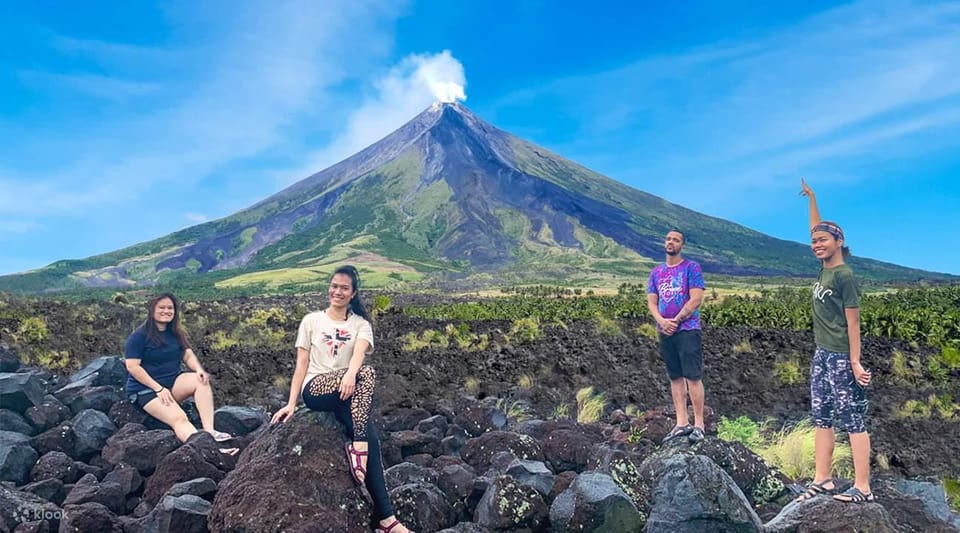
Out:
{"x": 187, "y": 385}
{"x": 678, "y": 390}
{"x": 697, "y": 399}
{"x": 860, "y": 448}
{"x": 173, "y": 416}
{"x": 823, "y": 442}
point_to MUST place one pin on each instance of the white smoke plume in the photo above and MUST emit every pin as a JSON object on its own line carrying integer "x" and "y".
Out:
{"x": 407, "y": 89}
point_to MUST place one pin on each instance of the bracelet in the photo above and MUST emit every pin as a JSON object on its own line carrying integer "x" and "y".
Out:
{"x": 158, "y": 391}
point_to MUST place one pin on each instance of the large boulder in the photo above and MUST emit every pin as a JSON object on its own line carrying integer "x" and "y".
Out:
{"x": 17, "y": 457}
{"x": 12, "y": 421}
{"x": 139, "y": 448}
{"x": 404, "y": 418}
{"x": 107, "y": 370}
{"x": 932, "y": 497}
{"x": 88, "y": 489}
{"x": 759, "y": 482}
{"x": 18, "y": 507}
{"x": 198, "y": 457}
{"x": 55, "y": 465}
{"x": 91, "y": 429}
{"x": 533, "y": 474}
{"x": 202, "y": 487}
{"x": 99, "y": 398}
{"x": 20, "y": 391}
{"x": 594, "y": 503}
{"x": 56, "y": 439}
{"x": 414, "y": 443}
{"x": 90, "y": 516}
{"x": 477, "y": 420}
{"x": 569, "y": 449}
{"x": 49, "y": 413}
{"x": 123, "y": 413}
{"x": 479, "y": 451}
{"x": 178, "y": 514}
{"x": 435, "y": 425}
{"x": 690, "y": 493}
{"x": 422, "y": 507}
{"x": 509, "y": 504}
{"x": 49, "y": 489}
{"x": 826, "y": 515}
{"x": 293, "y": 476}
{"x": 622, "y": 467}
{"x": 238, "y": 421}
{"x": 9, "y": 360}
{"x": 403, "y": 473}
{"x": 126, "y": 477}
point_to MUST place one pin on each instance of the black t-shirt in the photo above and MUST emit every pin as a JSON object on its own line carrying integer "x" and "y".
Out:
{"x": 161, "y": 362}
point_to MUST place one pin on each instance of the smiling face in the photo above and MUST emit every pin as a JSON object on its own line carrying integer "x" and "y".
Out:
{"x": 164, "y": 312}
{"x": 824, "y": 245}
{"x": 341, "y": 290}
{"x": 674, "y": 243}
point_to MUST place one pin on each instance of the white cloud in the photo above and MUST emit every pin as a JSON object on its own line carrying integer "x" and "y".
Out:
{"x": 236, "y": 88}
{"x": 196, "y": 218}
{"x": 404, "y": 91}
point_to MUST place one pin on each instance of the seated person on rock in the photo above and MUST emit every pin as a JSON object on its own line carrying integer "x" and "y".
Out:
{"x": 155, "y": 383}
{"x": 330, "y": 375}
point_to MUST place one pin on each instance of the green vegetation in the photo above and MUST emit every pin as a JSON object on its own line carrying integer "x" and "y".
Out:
{"x": 790, "y": 449}
{"x": 525, "y": 382}
{"x": 741, "y": 429}
{"x": 906, "y": 370}
{"x": 33, "y": 330}
{"x": 516, "y": 409}
{"x": 590, "y": 405}
{"x": 789, "y": 371}
{"x": 743, "y": 347}
{"x": 936, "y": 405}
{"x": 952, "y": 488}
{"x": 648, "y": 330}
{"x": 526, "y": 329}
{"x": 472, "y": 385}
{"x": 608, "y": 327}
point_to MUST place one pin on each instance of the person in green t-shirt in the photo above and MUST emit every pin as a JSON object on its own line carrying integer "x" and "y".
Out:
{"x": 837, "y": 377}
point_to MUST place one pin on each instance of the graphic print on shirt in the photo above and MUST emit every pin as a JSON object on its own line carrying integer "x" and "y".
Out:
{"x": 670, "y": 288}
{"x": 336, "y": 341}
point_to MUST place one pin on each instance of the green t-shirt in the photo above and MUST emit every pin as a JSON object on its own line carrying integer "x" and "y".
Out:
{"x": 834, "y": 291}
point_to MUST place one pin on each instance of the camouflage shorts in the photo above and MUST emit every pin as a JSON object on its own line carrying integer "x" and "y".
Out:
{"x": 835, "y": 395}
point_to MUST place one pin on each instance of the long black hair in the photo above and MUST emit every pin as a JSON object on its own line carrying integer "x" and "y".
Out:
{"x": 154, "y": 335}
{"x": 356, "y": 305}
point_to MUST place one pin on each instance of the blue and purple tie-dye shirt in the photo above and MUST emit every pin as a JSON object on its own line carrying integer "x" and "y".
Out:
{"x": 672, "y": 286}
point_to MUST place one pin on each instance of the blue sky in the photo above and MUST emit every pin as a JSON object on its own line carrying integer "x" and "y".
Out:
{"x": 124, "y": 121}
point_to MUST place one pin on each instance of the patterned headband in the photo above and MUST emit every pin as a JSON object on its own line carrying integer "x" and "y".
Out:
{"x": 832, "y": 229}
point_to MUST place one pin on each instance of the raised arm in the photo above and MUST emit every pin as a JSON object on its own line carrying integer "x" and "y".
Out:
{"x": 805, "y": 190}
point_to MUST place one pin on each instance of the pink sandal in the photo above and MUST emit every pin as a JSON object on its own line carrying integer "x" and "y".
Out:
{"x": 387, "y": 529}
{"x": 356, "y": 467}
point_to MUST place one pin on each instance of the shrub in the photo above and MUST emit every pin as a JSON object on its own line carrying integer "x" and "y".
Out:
{"x": 53, "y": 359}
{"x": 791, "y": 450}
{"x": 516, "y": 409}
{"x": 636, "y": 434}
{"x": 648, "y": 330}
{"x": 789, "y": 371}
{"x": 281, "y": 381}
{"x": 525, "y": 381}
{"x": 633, "y": 411}
{"x": 381, "y": 303}
{"x": 952, "y": 488}
{"x": 472, "y": 385}
{"x": 741, "y": 429}
{"x": 743, "y": 347}
{"x": 561, "y": 410}
{"x": 913, "y": 409}
{"x": 939, "y": 375}
{"x": 608, "y": 327}
{"x": 33, "y": 330}
{"x": 590, "y": 405}
{"x": 526, "y": 329}
{"x": 219, "y": 341}
{"x": 950, "y": 357}
{"x": 903, "y": 368}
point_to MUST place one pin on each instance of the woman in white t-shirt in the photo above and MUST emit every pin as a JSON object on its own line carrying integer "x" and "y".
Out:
{"x": 331, "y": 376}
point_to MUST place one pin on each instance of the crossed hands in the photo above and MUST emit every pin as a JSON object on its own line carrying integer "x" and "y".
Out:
{"x": 669, "y": 325}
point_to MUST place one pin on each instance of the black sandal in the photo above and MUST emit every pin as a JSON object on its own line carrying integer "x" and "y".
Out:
{"x": 678, "y": 431}
{"x": 854, "y": 495}
{"x": 816, "y": 489}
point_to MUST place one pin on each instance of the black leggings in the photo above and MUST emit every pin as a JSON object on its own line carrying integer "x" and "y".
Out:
{"x": 322, "y": 393}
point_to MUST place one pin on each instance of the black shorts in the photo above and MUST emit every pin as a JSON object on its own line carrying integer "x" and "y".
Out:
{"x": 683, "y": 354}
{"x": 145, "y": 396}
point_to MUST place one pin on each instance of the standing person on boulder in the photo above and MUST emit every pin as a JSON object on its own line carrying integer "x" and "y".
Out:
{"x": 153, "y": 354}
{"x": 837, "y": 377}
{"x": 330, "y": 376}
{"x": 674, "y": 293}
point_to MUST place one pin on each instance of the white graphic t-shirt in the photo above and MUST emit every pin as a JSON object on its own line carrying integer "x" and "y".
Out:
{"x": 331, "y": 342}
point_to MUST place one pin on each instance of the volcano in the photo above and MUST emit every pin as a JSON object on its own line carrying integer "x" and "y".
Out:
{"x": 446, "y": 196}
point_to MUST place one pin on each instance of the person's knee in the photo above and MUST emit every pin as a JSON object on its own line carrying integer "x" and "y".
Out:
{"x": 367, "y": 373}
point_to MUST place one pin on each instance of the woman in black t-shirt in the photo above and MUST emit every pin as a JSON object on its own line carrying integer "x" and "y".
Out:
{"x": 155, "y": 382}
